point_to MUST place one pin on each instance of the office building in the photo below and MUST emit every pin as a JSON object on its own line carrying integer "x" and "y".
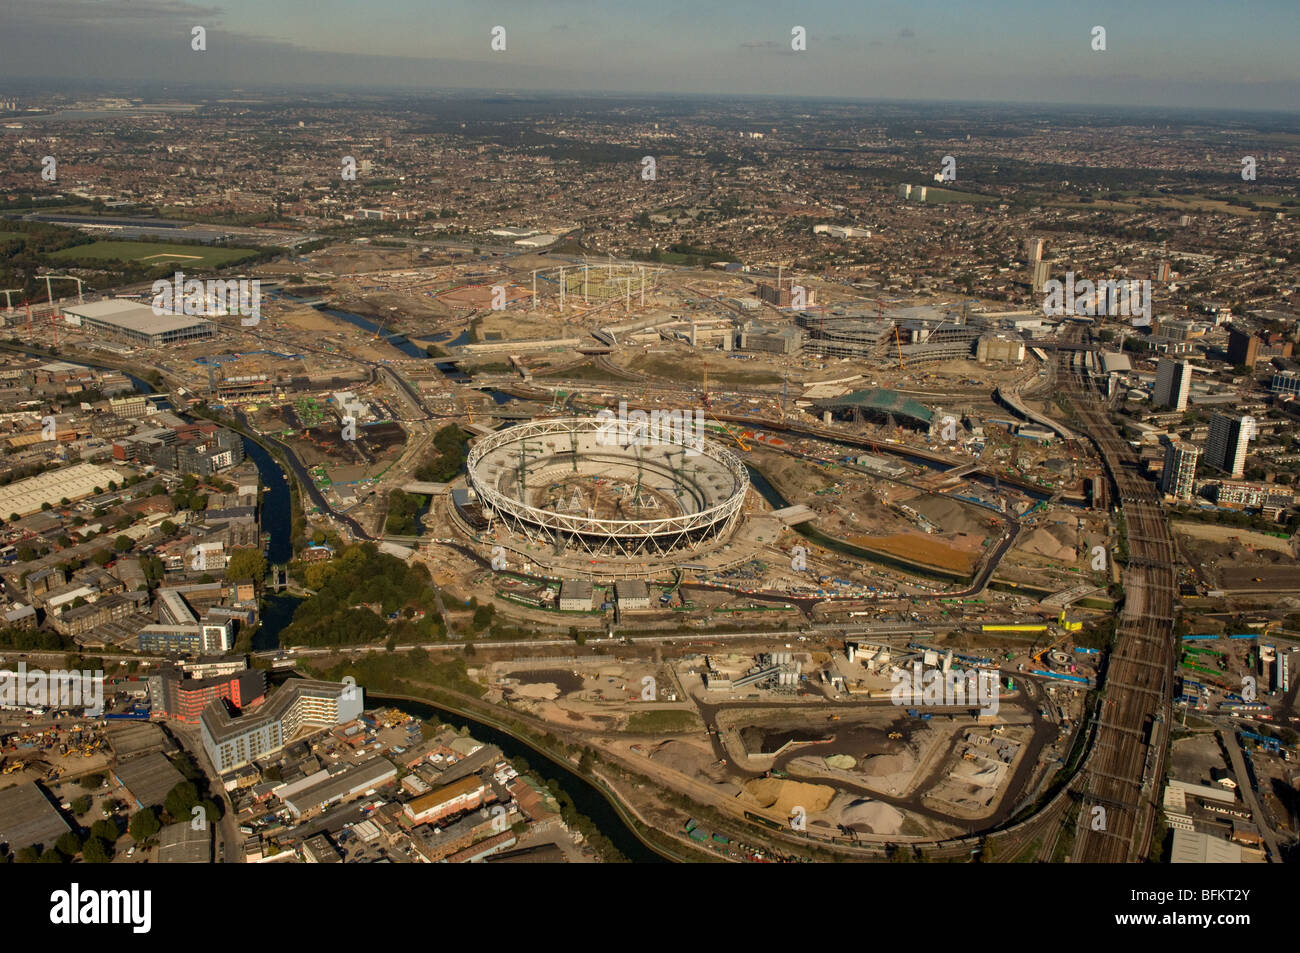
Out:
{"x": 1225, "y": 450}
{"x": 1173, "y": 382}
{"x": 1286, "y": 382}
{"x": 576, "y": 595}
{"x": 1179, "y": 477}
{"x": 632, "y": 594}
{"x": 211, "y": 636}
{"x": 1248, "y": 349}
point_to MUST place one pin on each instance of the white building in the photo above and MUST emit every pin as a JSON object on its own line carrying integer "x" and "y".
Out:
{"x": 1179, "y": 477}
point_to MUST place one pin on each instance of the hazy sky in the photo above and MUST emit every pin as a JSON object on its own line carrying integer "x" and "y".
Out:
{"x": 1214, "y": 53}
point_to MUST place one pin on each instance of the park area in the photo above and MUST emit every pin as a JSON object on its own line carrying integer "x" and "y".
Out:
{"x": 155, "y": 253}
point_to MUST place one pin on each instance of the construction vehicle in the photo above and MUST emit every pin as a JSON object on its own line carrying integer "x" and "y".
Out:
{"x": 895, "y": 735}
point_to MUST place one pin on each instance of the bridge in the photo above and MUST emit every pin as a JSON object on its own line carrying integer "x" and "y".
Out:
{"x": 426, "y": 489}
{"x": 1067, "y": 597}
{"x": 1011, "y": 400}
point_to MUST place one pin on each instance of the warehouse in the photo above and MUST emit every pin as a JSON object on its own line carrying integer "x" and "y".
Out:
{"x": 183, "y": 843}
{"x": 67, "y": 483}
{"x": 148, "y": 778}
{"x": 363, "y": 778}
{"x": 28, "y": 818}
{"x": 138, "y": 323}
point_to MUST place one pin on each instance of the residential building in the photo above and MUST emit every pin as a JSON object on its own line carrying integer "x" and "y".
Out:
{"x": 232, "y": 741}
{"x": 1173, "y": 383}
{"x": 1229, "y": 437}
{"x": 1179, "y": 477}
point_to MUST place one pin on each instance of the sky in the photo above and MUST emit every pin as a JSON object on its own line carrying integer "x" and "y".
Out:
{"x": 1233, "y": 54}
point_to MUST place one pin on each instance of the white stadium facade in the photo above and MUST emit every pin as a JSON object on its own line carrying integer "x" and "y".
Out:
{"x": 566, "y": 482}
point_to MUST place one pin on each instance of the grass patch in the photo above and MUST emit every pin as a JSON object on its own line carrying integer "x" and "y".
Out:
{"x": 948, "y": 195}
{"x": 581, "y": 372}
{"x": 155, "y": 253}
{"x": 693, "y": 372}
{"x": 663, "y": 721}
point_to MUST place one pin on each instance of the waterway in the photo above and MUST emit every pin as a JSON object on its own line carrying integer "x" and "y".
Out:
{"x": 277, "y": 509}
{"x": 777, "y": 501}
{"x": 587, "y": 798}
{"x": 277, "y": 612}
{"x": 399, "y": 341}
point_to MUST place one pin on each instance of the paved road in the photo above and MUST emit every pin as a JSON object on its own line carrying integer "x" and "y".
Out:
{"x": 1245, "y": 784}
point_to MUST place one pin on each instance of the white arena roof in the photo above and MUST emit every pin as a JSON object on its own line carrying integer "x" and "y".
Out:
{"x": 132, "y": 316}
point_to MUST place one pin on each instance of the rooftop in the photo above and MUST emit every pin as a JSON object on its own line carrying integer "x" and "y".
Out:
{"x": 28, "y": 817}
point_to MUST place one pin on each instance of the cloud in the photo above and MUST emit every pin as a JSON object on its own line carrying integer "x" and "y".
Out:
{"x": 82, "y": 11}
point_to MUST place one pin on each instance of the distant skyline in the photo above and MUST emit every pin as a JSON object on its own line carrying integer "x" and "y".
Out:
{"x": 1170, "y": 53}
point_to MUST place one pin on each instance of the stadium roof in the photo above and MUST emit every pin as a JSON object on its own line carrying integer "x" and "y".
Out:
{"x": 881, "y": 401}
{"x": 133, "y": 316}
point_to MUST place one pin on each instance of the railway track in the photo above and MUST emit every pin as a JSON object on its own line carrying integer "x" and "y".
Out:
{"x": 1119, "y": 785}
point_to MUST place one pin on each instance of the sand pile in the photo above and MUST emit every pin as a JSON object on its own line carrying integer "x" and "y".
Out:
{"x": 1044, "y": 542}
{"x": 983, "y": 776}
{"x": 783, "y": 796}
{"x": 842, "y": 761}
{"x": 547, "y": 690}
{"x": 874, "y": 817}
{"x": 680, "y": 756}
{"x": 949, "y": 515}
{"x": 884, "y": 764}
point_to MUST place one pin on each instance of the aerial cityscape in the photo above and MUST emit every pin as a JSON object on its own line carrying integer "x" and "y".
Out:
{"x": 405, "y": 468}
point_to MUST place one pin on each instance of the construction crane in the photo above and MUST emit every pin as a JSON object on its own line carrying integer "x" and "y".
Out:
{"x": 9, "y": 304}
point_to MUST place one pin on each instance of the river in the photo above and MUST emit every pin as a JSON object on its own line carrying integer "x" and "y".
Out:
{"x": 399, "y": 341}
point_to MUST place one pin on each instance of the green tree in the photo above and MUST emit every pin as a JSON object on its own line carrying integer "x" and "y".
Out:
{"x": 180, "y": 800}
{"x": 68, "y": 844}
{"x": 144, "y": 824}
{"x": 96, "y": 851}
{"x": 123, "y": 543}
{"x": 246, "y": 563}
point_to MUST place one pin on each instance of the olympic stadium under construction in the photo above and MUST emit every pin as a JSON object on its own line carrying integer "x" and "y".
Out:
{"x": 567, "y": 483}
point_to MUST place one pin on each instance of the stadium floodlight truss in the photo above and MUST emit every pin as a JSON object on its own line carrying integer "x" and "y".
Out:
{"x": 713, "y": 492}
